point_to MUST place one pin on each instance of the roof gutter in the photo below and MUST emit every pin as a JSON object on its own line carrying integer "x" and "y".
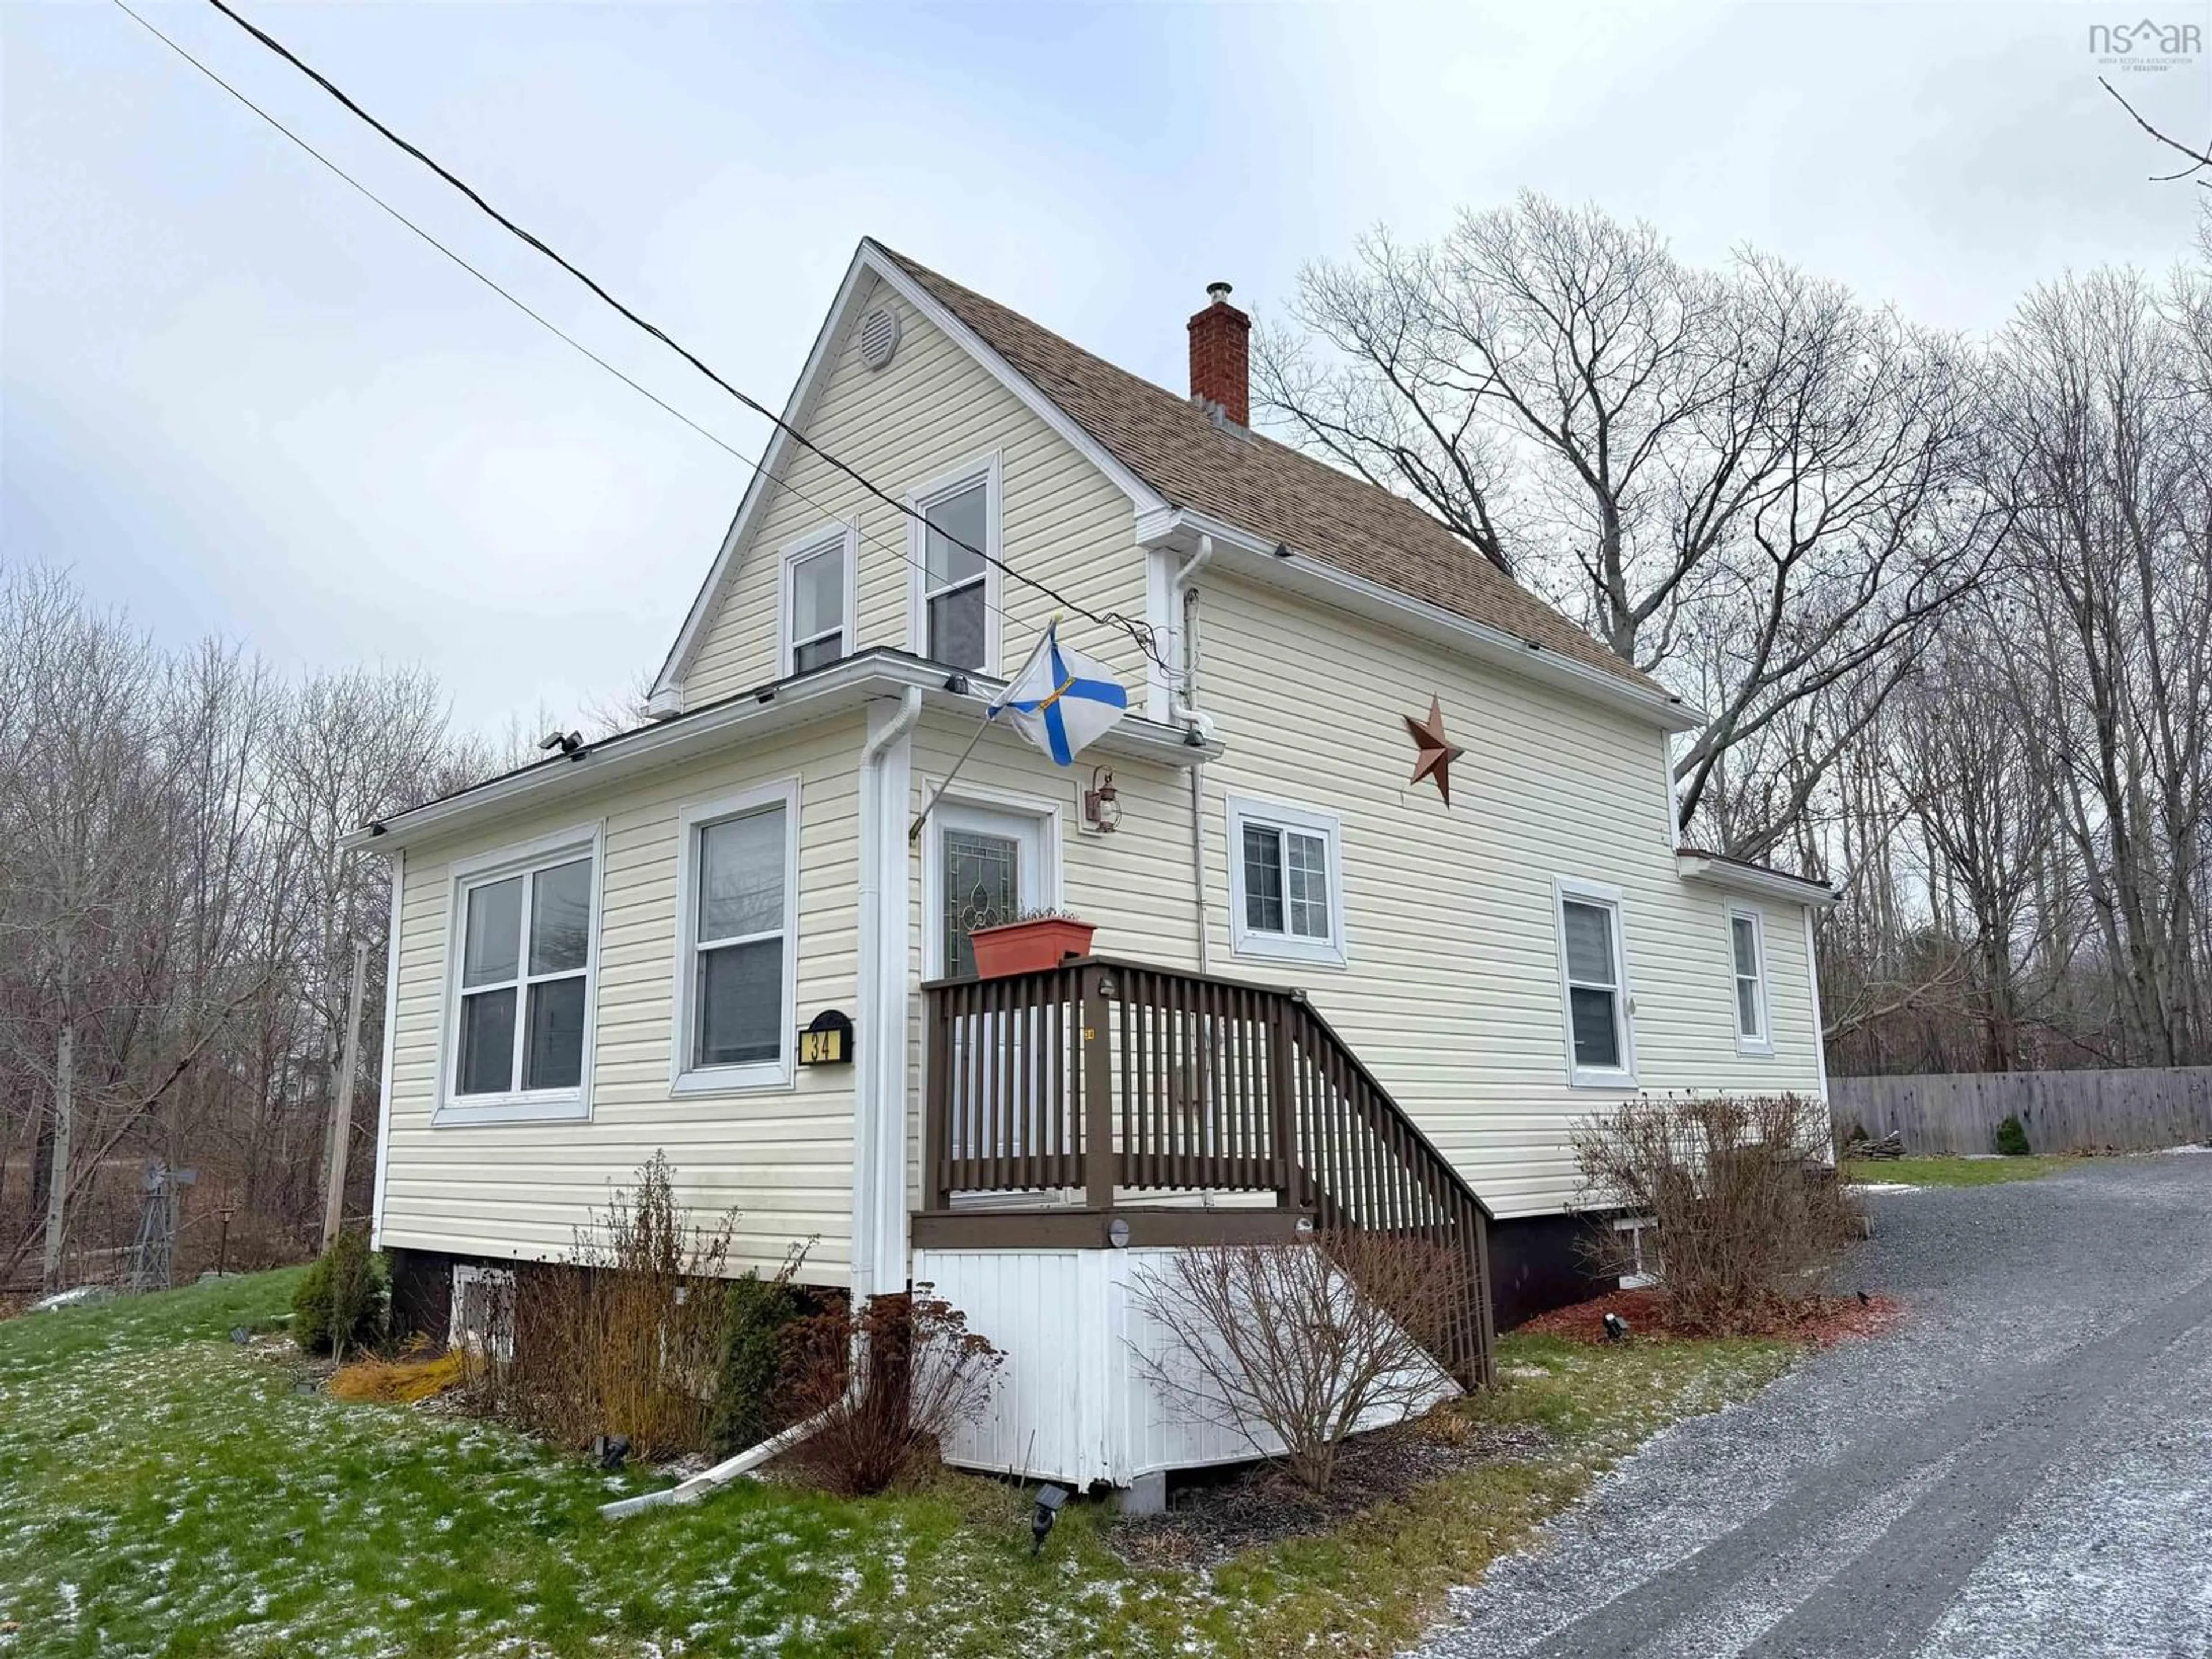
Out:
{"x": 1282, "y": 567}
{"x": 1756, "y": 879}
{"x": 764, "y": 711}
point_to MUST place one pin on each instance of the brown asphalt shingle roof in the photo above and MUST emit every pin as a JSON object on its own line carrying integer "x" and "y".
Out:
{"x": 1265, "y": 487}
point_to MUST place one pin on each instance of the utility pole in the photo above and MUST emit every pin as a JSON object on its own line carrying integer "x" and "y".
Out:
{"x": 57, "y": 1184}
{"x": 334, "y": 1164}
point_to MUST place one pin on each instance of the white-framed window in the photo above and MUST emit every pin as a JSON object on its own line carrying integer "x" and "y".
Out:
{"x": 1594, "y": 997}
{"x": 954, "y": 593}
{"x": 1285, "y": 882}
{"x": 737, "y": 942}
{"x": 818, "y": 600}
{"x": 1754, "y": 1035}
{"x": 522, "y": 971}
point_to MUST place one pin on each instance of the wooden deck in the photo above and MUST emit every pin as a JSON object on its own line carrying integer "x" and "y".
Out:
{"x": 1118, "y": 1096}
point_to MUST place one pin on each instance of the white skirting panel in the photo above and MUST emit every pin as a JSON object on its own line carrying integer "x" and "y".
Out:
{"x": 1075, "y": 1402}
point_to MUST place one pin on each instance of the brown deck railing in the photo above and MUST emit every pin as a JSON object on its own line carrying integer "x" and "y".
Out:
{"x": 1115, "y": 1078}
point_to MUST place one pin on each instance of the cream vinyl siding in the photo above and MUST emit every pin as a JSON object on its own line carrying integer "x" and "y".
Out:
{"x": 1451, "y": 990}
{"x": 782, "y": 1157}
{"x": 1134, "y": 885}
{"x": 933, "y": 410}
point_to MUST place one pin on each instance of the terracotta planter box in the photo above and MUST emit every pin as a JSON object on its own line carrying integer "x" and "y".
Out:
{"x": 1025, "y": 947}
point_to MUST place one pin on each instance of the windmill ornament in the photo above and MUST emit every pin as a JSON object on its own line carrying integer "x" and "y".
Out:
{"x": 1433, "y": 752}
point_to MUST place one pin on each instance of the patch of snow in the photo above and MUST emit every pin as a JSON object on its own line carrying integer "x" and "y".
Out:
{"x": 1886, "y": 1187}
{"x": 83, "y": 1296}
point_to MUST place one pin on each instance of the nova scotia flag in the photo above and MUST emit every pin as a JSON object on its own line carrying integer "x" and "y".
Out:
{"x": 1062, "y": 701}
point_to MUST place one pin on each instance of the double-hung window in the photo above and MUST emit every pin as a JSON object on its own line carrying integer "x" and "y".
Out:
{"x": 956, "y": 585}
{"x": 737, "y": 946}
{"x": 1286, "y": 878}
{"x": 817, "y": 600}
{"x": 519, "y": 1042}
{"x": 1594, "y": 965}
{"x": 1747, "y": 957}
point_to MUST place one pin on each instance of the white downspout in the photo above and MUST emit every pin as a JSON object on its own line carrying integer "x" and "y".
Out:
{"x": 878, "y": 1080}
{"x": 1185, "y": 710}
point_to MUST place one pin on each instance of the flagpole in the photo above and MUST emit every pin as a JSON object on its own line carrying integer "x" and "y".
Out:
{"x": 914, "y": 829}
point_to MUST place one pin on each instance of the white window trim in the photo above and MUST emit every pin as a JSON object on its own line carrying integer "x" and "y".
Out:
{"x": 683, "y": 1077}
{"x": 990, "y": 469}
{"x": 1592, "y": 892}
{"x": 1248, "y": 942}
{"x": 520, "y": 1105}
{"x": 1762, "y": 1046}
{"x": 844, "y": 537}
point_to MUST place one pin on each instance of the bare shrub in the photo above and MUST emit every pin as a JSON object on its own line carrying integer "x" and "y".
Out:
{"x": 923, "y": 1373}
{"x": 1302, "y": 1341}
{"x": 625, "y": 1338}
{"x": 1745, "y": 1203}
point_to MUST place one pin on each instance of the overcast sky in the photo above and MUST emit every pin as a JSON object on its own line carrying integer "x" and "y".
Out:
{"x": 239, "y": 399}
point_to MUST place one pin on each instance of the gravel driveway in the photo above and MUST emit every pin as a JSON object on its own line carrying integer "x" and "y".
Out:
{"x": 2024, "y": 1468}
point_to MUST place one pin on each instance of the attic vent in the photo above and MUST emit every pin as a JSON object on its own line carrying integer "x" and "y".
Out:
{"x": 879, "y": 337}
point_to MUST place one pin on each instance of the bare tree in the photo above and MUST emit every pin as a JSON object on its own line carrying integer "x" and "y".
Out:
{"x": 175, "y": 898}
{"x": 1303, "y": 1342}
{"x": 1744, "y": 481}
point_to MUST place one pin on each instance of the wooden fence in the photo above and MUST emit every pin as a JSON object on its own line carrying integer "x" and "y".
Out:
{"x": 2129, "y": 1111}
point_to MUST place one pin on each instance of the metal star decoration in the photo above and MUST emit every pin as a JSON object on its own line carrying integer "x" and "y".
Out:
{"x": 1435, "y": 751}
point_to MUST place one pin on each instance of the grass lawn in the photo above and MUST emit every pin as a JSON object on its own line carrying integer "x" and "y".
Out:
{"x": 1952, "y": 1171}
{"x": 163, "y": 1492}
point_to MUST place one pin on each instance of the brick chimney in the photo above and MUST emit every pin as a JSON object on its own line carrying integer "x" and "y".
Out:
{"x": 1221, "y": 356}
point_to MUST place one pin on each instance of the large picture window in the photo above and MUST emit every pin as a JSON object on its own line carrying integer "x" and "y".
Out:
{"x": 956, "y": 587}
{"x": 1286, "y": 898}
{"x": 1600, "y": 1029}
{"x": 519, "y": 1042}
{"x": 733, "y": 1028}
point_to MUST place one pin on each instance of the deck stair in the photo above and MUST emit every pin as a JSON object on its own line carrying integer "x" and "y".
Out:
{"x": 1124, "y": 1089}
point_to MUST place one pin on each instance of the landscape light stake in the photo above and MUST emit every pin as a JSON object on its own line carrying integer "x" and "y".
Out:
{"x": 1048, "y": 1499}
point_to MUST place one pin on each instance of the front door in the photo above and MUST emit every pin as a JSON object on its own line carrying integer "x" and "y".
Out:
{"x": 988, "y": 867}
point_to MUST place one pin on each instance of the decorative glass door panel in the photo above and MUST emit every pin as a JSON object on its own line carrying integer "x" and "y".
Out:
{"x": 981, "y": 877}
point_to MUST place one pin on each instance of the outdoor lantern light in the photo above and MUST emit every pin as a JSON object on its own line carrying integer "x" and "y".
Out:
{"x": 1049, "y": 1500}
{"x": 1102, "y": 804}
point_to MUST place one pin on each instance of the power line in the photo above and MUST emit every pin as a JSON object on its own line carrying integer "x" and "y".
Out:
{"x": 546, "y": 323}
{"x": 1141, "y": 633}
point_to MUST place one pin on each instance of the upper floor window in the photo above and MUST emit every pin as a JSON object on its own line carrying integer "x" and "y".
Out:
{"x": 818, "y": 600}
{"x": 522, "y": 981}
{"x": 1747, "y": 957}
{"x": 1286, "y": 897}
{"x": 956, "y": 586}
{"x": 1601, "y": 1032}
{"x": 737, "y": 941}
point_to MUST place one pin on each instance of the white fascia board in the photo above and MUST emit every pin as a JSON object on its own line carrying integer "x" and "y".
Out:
{"x": 868, "y": 260}
{"x": 1747, "y": 878}
{"x": 750, "y": 716}
{"x": 1269, "y": 562}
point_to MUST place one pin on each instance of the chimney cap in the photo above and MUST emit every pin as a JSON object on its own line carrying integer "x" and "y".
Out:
{"x": 1218, "y": 292}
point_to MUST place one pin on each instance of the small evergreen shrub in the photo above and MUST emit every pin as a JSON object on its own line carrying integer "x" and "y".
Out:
{"x": 2012, "y": 1138}
{"x": 339, "y": 1306}
{"x": 748, "y": 1404}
